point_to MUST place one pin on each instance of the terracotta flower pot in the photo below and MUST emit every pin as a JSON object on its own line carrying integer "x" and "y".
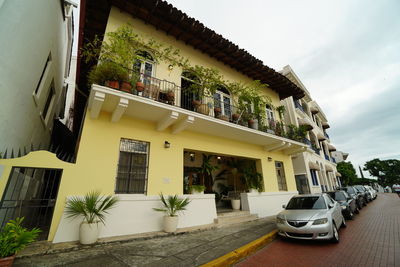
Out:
{"x": 170, "y": 96}
{"x": 196, "y": 103}
{"x": 235, "y": 116}
{"x": 217, "y": 110}
{"x": 126, "y": 87}
{"x": 112, "y": 84}
{"x": 7, "y": 261}
{"x": 139, "y": 86}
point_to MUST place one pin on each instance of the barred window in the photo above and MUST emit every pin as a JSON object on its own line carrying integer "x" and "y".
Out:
{"x": 132, "y": 167}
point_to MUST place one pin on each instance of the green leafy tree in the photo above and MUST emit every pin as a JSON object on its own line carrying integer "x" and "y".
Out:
{"x": 348, "y": 173}
{"x": 387, "y": 171}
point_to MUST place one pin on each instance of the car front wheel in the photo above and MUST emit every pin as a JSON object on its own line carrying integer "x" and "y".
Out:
{"x": 335, "y": 236}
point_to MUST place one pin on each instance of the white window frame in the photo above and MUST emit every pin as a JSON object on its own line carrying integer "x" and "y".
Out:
{"x": 45, "y": 118}
{"x": 269, "y": 113}
{"x": 43, "y": 80}
{"x": 222, "y": 103}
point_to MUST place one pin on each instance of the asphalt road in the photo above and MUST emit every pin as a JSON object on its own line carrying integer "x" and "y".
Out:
{"x": 372, "y": 238}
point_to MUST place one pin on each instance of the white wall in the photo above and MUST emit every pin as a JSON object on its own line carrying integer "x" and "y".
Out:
{"x": 266, "y": 203}
{"x": 29, "y": 31}
{"x": 134, "y": 214}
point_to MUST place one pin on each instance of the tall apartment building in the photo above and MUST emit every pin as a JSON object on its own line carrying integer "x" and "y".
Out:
{"x": 314, "y": 169}
{"x": 36, "y": 43}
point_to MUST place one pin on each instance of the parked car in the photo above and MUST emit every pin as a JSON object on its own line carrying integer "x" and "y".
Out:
{"x": 371, "y": 191}
{"x": 353, "y": 192}
{"x": 363, "y": 192}
{"x": 315, "y": 216}
{"x": 347, "y": 203}
{"x": 369, "y": 194}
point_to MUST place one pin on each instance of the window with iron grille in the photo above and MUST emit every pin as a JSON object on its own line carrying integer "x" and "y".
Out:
{"x": 132, "y": 167}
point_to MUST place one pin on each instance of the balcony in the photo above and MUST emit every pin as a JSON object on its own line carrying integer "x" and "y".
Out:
{"x": 326, "y": 157}
{"x": 316, "y": 150}
{"x": 326, "y": 135}
{"x": 298, "y": 105}
{"x": 307, "y": 142}
{"x": 163, "y": 103}
{"x": 333, "y": 160}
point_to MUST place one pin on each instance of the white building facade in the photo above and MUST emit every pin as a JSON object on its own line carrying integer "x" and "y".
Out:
{"x": 315, "y": 169}
{"x": 36, "y": 51}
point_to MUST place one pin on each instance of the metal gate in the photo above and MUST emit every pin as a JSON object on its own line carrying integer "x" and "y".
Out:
{"x": 31, "y": 193}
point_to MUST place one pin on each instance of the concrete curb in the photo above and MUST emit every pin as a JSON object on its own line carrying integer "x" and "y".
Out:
{"x": 242, "y": 252}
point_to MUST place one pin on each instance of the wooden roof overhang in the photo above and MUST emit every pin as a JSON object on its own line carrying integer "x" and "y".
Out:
{"x": 163, "y": 16}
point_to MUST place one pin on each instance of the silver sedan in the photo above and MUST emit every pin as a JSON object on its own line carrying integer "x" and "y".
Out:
{"x": 315, "y": 216}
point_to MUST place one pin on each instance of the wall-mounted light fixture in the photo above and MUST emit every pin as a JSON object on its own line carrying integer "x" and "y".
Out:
{"x": 167, "y": 144}
{"x": 219, "y": 159}
{"x": 269, "y": 159}
{"x": 191, "y": 155}
{"x": 170, "y": 67}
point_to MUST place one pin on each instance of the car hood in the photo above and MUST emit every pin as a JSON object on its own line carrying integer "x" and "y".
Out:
{"x": 303, "y": 215}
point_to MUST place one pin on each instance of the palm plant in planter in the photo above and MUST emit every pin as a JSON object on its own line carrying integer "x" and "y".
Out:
{"x": 197, "y": 189}
{"x": 172, "y": 206}
{"x": 93, "y": 208}
{"x": 254, "y": 179}
{"x": 14, "y": 238}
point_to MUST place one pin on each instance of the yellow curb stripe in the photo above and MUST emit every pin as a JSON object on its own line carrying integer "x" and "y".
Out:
{"x": 242, "y": 252}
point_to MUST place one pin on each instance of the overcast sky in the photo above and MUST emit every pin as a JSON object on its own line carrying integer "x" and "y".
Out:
{"x": 347, "y": 54}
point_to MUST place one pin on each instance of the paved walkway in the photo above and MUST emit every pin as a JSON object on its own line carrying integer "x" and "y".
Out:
{"x": 371, "y": 239}
{"x": 189, "y": 249}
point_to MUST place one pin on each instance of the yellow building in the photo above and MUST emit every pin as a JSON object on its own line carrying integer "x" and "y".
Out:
{"x": 139, "y": 144}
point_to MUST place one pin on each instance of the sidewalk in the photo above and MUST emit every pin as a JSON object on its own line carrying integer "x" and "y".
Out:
{"x": 187, "y": 249}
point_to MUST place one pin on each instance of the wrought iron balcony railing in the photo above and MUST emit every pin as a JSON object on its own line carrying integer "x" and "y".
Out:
{"x": 217, "y": 106}
{"x": 326, "y": 157}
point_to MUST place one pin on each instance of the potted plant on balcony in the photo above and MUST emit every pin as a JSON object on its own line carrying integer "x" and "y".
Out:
{"x": 14, "y": 238}
{"x": 108, "y": 74}
{"x": 93, "y": 208}
{"x": 171, "y": 207}
{"x": 197, "y": 189}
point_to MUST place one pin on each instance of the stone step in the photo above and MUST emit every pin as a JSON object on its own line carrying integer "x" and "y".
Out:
{"x": 228, "y": 220}
{"x": 233, "y": 213}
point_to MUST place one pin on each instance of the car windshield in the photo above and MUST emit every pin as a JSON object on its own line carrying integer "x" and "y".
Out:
{"x": 350, "y": 190}
{"x": 338, "y": 196}
{"x": 360, "y": 188}
{"x": 306, "y": 203}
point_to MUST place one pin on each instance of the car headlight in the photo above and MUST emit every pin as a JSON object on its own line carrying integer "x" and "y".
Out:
{"x": 343, "y": 207}
{"x": 320, "y": 221}
{"x": 280, "y": 220}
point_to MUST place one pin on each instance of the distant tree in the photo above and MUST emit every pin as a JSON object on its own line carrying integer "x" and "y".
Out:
{"x": 346, "y": 169}
{"x": 387, "y": 171}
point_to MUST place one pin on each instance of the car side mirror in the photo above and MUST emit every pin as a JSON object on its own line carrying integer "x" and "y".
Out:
{"x": 330, "y": 205}
{"x": 284, "y": 206}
